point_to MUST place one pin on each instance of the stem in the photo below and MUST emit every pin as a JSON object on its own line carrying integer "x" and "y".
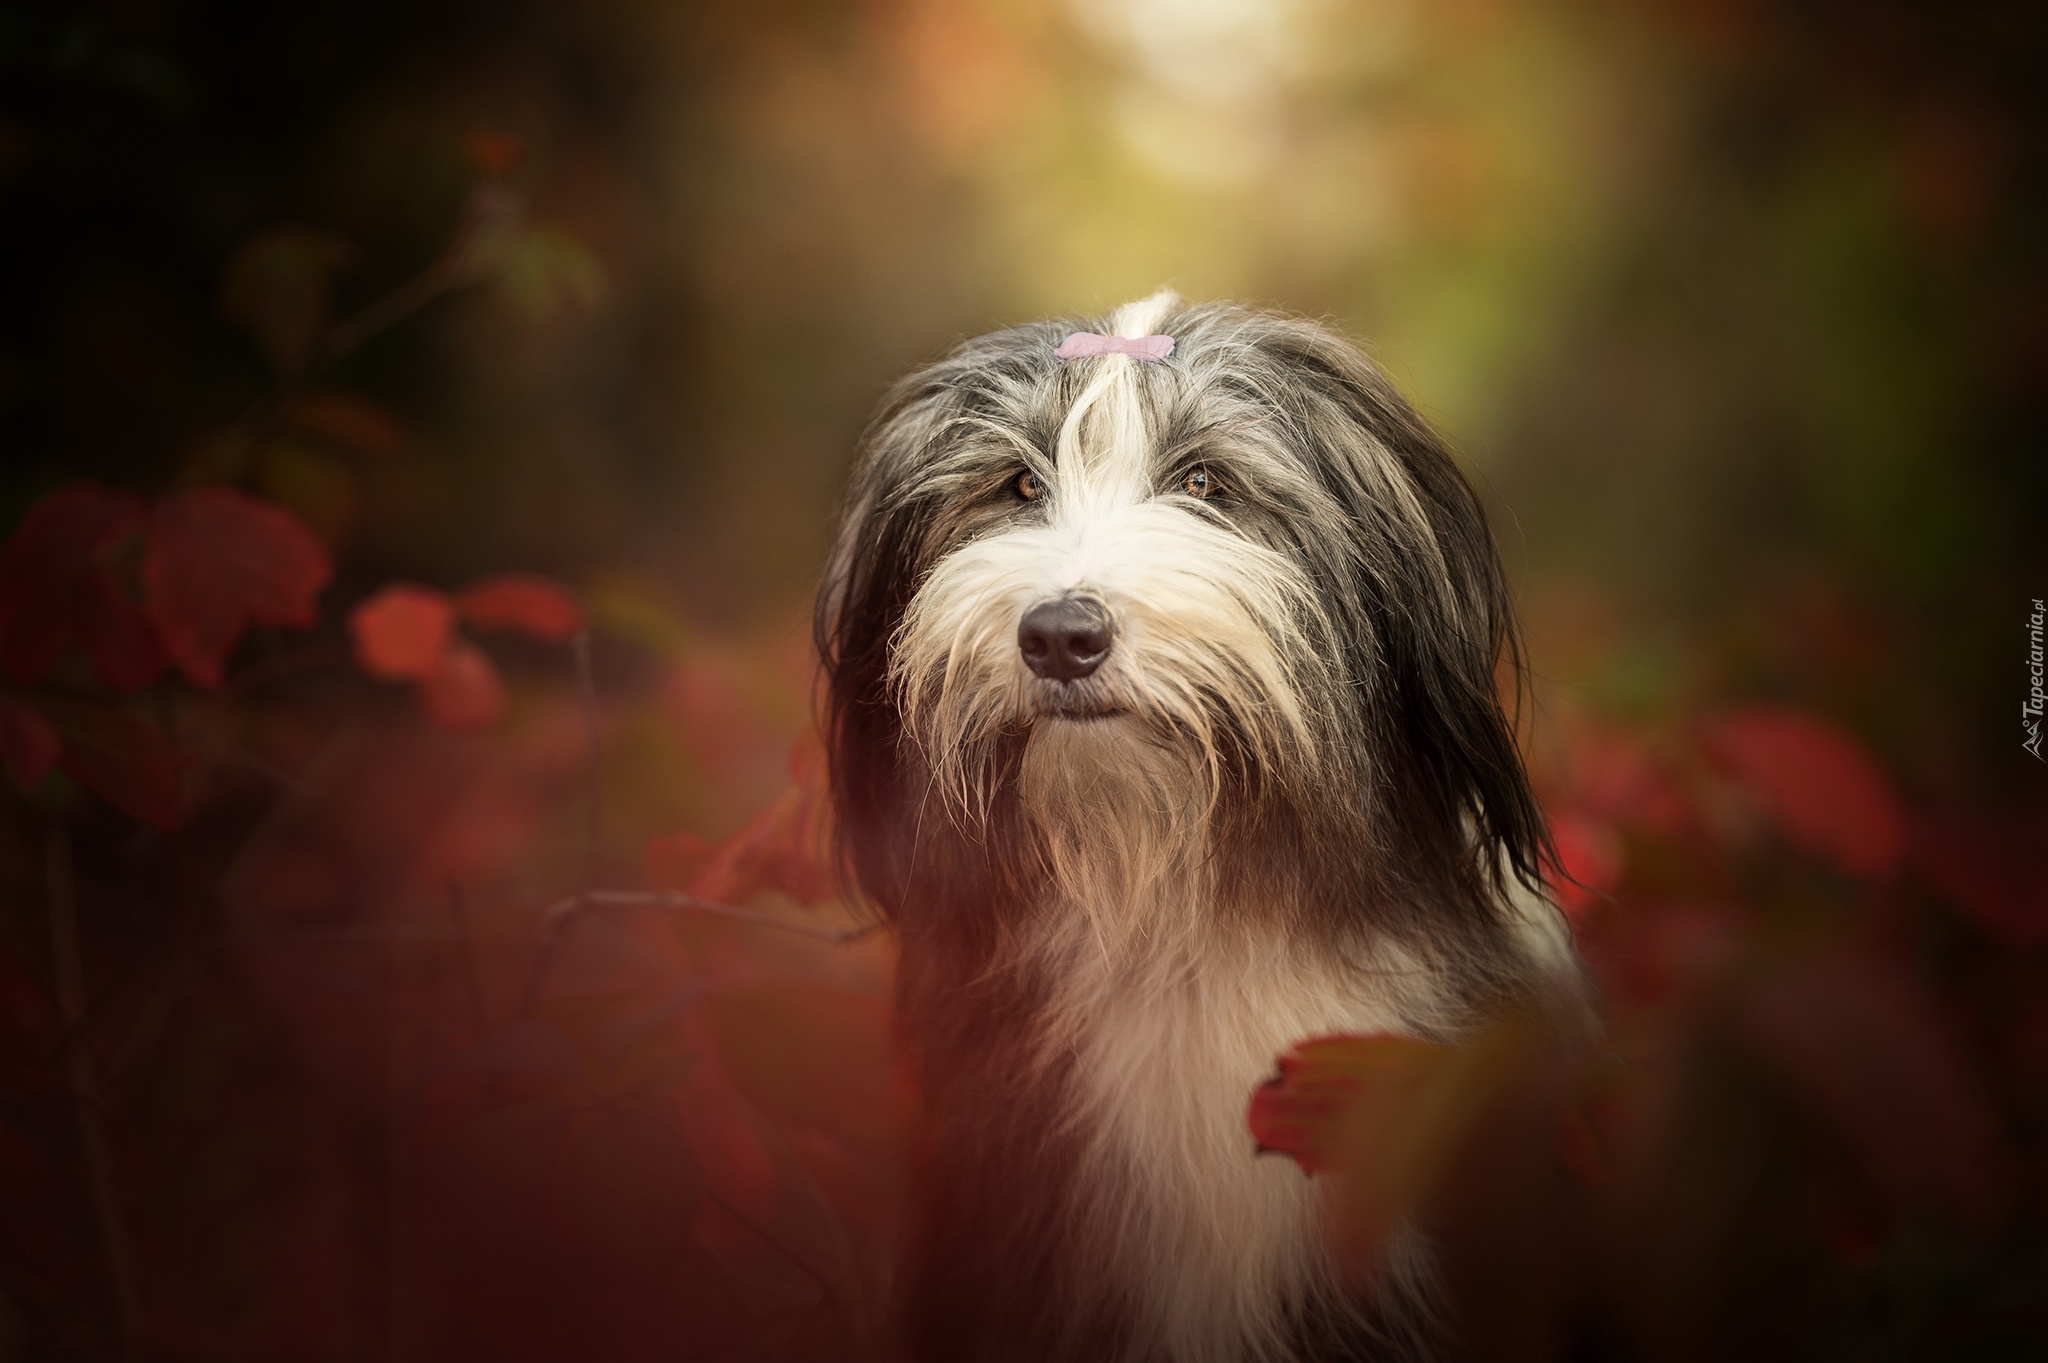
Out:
{"x": 563, "y": 914}
{"x": 586, "y": 692}
{"x": 347, "y": 336}
{"x": 99, "y": 1155}
{"x": 460, "y": 912}
{"x": 676, "y": 900}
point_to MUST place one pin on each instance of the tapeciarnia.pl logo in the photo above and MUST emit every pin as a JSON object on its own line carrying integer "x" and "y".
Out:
{"x": 2030, "y": 712}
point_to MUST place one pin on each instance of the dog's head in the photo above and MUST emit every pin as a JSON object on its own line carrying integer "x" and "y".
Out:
{"x": 1244, "y": 586}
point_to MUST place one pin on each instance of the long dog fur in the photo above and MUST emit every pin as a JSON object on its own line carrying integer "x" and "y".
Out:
{"x": 1289, "y": 803}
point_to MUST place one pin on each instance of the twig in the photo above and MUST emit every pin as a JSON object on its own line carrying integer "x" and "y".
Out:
{"x": 563, "y": 909}
{"x": 556, "y": 922}
{"x": 347, "y": 335}
{"x": 450, "y": 269}
{"x": 564, "y": 913}
{"x": 827, "y": 1297}
{"x": 99, "y": 1155}
{"x": 586, "y": 693}
{"x": 459, "y": 911}
{"x": 283, "y": 666}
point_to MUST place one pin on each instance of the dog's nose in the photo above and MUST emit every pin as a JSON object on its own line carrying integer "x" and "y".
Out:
{"x": 1065, "y": 639}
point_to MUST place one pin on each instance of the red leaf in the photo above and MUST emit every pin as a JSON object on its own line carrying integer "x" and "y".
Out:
{"x": 28, "y": 1017}
{"x": 126, "y": 762}
{"x": 1589, "y": 858}
{"x": 1818, "y": 783}
{"x": 1989, "y": 869}
{"x": 518, "y": 601}
{"x": 675, "y": 861}
{"x": 785, "y": 847}
{"x": 465, "y": 691}
{"x": 1615, "y": 778}
{"x": 32, "y": 1205}
{"x": 740, "y": 1174}
{"x": 347, "y": 422}
{"x": 1867, "y": 1050}
{"x": 28, "y": 743}
{"x": 402, "y": 632}
{"x": 59, "y": 590}
{"x": 218, "y": 560}
{"x": 119, "y": 640}
{"x": 1660, "y": 949}
{"x": 1303, "y": 1111}
{"x": 492, "y": 152}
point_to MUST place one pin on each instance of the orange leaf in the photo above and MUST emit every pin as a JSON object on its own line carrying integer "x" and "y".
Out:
{"x": 785, "y": 847}
{"x": 402, "y": 632}
{"x": 1407, "y": 1123}
{"x": 675, "y": 861}
{"x": 521, "y": 602}
{"x": 59, "y": 590}
{"x": 1819, "y": 785}
{"x": 465, "y": 691}
{"x": 1303, "y": 1111}
{"x": 28, "y": 743}
{"x": 218, "y": 560}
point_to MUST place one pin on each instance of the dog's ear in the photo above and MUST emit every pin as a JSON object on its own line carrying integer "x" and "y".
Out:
{"x": 868, "y": 583}
{"x": 883, "y": 548}
{"x": 1432, "y": 633}
{"x": 896, "y": 522}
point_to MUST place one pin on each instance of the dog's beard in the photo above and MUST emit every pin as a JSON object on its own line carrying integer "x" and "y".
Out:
{"x": 1221, "y": 659}
{"x": 1218, "y": 682}
{"x": 1120, "y": 820}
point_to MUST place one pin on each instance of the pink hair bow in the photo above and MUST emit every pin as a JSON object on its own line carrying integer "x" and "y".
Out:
{"x": 1085, "y": 343}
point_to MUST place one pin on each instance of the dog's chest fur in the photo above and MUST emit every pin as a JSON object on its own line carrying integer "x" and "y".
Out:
{"x": 1094, "y": 1090}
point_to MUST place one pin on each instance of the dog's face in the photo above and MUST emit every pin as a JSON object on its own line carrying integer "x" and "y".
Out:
{"x": 1242, "y": 590}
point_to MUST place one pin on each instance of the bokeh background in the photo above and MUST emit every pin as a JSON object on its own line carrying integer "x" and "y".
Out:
{"x": 1737, "y": 313}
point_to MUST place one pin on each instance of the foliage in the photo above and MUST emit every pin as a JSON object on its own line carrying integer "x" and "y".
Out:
{"x": 695, "y": 1086}
{"x": 401, "y": 957}
{"x": 1819, "y": 1074}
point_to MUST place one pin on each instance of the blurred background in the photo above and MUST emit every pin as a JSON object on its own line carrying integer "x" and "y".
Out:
{"x": 1736, "y": 311}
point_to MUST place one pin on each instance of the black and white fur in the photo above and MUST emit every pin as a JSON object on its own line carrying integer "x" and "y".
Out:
{"x": 1288, "y": 803}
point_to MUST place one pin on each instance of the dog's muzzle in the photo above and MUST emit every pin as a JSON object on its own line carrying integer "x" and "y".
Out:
{"x": 1065, "y": 639}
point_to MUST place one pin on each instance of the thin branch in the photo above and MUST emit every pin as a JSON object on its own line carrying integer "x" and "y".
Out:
{"x": 586, "y": 694}
{"x": 827, "y": 1297}
{"x": 99, "y": 1153}
{"x": 448, "y": 271}
{"x": 679, "y": 902}
{"x": 466, "y": 945}
{"x": 348, "y": 335}
{"x": 563, "y": 914}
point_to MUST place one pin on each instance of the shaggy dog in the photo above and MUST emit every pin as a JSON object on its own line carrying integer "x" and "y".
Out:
{"x": 1164, "y": 729}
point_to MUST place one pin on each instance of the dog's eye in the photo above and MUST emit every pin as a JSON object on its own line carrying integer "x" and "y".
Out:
{"x": 1029, "y": 486}
{"x": 1198, "y": 483}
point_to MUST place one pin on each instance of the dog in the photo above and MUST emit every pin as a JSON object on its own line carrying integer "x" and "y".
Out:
{"x": 1164, "y": 728}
